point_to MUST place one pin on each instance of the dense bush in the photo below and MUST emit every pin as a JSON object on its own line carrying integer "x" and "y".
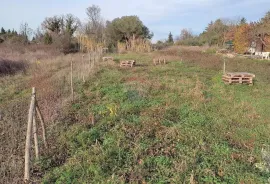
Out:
{"x": 47, "y": 39}
{"x": 161, "y": 45}
{"x": 195, "y": 41}
{"x": 11, "y": 67}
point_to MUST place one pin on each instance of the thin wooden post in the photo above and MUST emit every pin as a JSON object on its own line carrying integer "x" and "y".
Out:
{"x": 224, "y": 67}
{"x": 93, "y": 119}
{"x": 35, "y": 135}
{"x": 89, "y": 57}
{"x": 42, "y": 125}
{"x": 83, "y": 69}
{"x": 71, "y": 80}
{"x": 95, "y": 58}
{"x": 80, "y": 43}
{"x": 28, "y": 138}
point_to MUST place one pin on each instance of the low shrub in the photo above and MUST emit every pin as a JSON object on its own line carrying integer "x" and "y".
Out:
{"x": 8, "y": 67}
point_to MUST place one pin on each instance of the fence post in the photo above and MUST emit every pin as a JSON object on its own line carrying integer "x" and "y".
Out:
{"x": 83, "y": 69}
{"x": 89, "y": 57}
{"x": 28, "y": 138}
{"x": 224, "y": 66}
{"x": 95, "y": 58}
{"x": 71, "y": 80}
{"x": 42, "y": 125}
{"x": 35, "y": 135}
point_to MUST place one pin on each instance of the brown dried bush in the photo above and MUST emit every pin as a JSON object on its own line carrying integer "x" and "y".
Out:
{"x": 8, "y": 67}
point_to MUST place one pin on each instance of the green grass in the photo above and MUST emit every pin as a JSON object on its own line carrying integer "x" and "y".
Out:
{"x": 165, "y": 124}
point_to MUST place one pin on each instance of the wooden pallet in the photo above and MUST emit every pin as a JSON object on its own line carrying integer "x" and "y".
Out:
{"x": 107, "y": 58}
{"x": 238, "y": 78}
{"x": 127, "y": 63}
{"x": 157, "y": 61}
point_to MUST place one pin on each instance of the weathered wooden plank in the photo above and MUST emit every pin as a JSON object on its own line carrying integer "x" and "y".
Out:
{"x": 129, "y": 63}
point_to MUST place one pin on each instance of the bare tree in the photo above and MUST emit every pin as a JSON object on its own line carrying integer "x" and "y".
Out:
{"x": 25, "y": 31}
{"x": 185, "y": 34}
{"x": 95, "y": 27}
{"x": 38, "y": 34}
{"x": 94, "y": 15}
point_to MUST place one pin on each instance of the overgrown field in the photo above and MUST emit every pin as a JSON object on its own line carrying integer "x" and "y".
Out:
{"x": 173, "y": 123}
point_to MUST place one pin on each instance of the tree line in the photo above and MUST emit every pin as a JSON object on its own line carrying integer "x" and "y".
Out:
{"x": 62, "y": 31}
{"x": 237, "y": 35}
{"x": 12, "y": 36}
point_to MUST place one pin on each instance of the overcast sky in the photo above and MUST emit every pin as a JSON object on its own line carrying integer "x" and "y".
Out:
{"x": 161, "y": 16}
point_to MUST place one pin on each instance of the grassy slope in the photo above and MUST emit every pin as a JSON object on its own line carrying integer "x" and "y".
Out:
{"x": 165, "y": 124}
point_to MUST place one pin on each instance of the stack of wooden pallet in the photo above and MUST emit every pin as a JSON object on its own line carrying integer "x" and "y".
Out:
{"x": 129, "y": 63}
{"x": 238, "y": 77}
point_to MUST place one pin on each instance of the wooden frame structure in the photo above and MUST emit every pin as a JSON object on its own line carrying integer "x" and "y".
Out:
{"x": 127, "y": 63}
{"x": 238, "y": 77}
{"x": 157, "y": 61}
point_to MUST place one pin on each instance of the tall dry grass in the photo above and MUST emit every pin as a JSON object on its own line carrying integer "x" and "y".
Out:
{"x": 17, "y": 52}
{"x": 136, "y": 45}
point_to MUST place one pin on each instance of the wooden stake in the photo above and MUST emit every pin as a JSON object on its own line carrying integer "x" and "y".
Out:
{"x": 89, "y": 57}
{"x": 93, "y": 119}
{"x": 89, "y": 66}
{"x": 83, "y": 63}
{"x": 28, "y": 138}
{"x": 224, "y": 67}
{"x": 35, "y": 135}
{"x": 71, "y": 80}
{"x": 95, "y": 58}
{"x": 42, "y": 125}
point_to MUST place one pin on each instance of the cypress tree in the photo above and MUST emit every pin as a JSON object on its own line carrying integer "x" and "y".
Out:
{"x": 170, "y": 38}
{"x": 3, "y": 31}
